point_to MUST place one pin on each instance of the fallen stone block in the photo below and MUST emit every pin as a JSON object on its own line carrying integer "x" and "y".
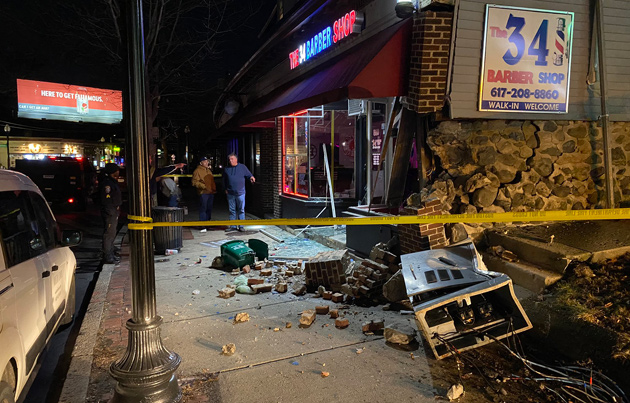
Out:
{"x": 308, "y": 317}
{"x": 342, "y": 323}
{"x": 282, "y": 287}
{"x": 373, "y": 326}
{"x": 227, "y": 292}
{"x": 228, "y": 349}
{"x": 254, "y": 281}
{"x": 394, "y": 289}
{"x": 299, "y": 289}
{"x": 241, "y": 317}
{"x": 337, "y": 297}
{"x": 322, "y": 309}
{"x": 455, "y": 392}
{"x": 258, "y": 288}
{"x": 334, "y": 314}
{"x": 399, "y": 334}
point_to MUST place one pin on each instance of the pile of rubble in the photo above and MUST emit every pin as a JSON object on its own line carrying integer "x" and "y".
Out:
{"x": 369, "y": 276}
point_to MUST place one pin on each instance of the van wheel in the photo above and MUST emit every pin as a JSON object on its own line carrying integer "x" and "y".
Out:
{"x": 6, "y": 393}
{"x": 68, "y": 315}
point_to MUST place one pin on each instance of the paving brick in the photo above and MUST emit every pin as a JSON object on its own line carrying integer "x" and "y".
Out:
{"x": 322, "y": 309}
{"x": 327, "y": 295}
{"x": 253, "y": 281}
{"x": 266, "y": 272}
{"x": 342, "y": 323}
{"x": 227, "y": 293}
{"x": 259, "y": 288}
{"x": 334, "y": 313}
{"x": 308, "y": 317}
{"x": 337, "y": 297}
{"x": 281, "y": 287}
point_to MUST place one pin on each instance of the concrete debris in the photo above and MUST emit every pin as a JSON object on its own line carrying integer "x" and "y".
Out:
{"x": 322, "y": 309}
{"x": 241, "y": 317}
{"x": 259, "y": 288}
{"x": 373, "y": 326}
{"x": 228, "y": 349}
{"x": 334, "y": 313}
{"x": 299, "y": 289}
{"x": 227, "y": 292}
{"x": 342, "y": 323}
{"x": 399, "y": 334}
{"x": 308, "y": 317}
{"x": 455, "y": 391}
{"x": 281, "y": 287}
{"x": 394, "y": 289}
{"x": 196, "y": 292}
{"x": 503, "y": 253}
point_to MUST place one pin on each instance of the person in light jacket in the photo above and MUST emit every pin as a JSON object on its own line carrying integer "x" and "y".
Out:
{"x": 203, "y": 181}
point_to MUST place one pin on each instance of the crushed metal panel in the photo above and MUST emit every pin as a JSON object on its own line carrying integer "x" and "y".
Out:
{"x": 437, "y": 269}
{"x": 459, "y": 314}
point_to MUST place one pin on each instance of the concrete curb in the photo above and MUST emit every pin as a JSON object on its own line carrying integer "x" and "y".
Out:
{"x": 75, "y": 386}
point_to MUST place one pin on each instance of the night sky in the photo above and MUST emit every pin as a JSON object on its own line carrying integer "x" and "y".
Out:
{"x": 48, "y": 40}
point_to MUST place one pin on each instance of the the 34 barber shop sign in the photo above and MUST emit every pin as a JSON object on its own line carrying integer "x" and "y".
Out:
{"x": 526, "y": 60}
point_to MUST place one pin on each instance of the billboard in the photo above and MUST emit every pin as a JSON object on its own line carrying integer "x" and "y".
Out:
{"x": 42, "y": 100}
{"x": 526, "y": 61}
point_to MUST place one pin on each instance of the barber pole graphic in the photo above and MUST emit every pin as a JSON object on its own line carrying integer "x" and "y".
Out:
{"x": 558, "y": 55}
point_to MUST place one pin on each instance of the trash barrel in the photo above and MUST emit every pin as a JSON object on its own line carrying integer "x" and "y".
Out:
{"x": 236, "y": 253}
{"x": 261, "y": 248}
{"x": 167, "y": 237}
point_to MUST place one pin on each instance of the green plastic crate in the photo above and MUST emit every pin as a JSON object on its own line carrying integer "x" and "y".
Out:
{"x": 237, "y": 254}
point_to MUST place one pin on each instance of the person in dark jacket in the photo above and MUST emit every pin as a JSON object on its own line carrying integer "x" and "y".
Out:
{"x": 155, "y": 174}
{"x": 234, "y": 176}
{"x": 111, "y": 199}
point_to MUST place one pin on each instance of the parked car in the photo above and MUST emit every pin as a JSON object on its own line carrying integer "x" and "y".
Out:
{"x": 37, "y": 286}
{"x": 64, "y": 181}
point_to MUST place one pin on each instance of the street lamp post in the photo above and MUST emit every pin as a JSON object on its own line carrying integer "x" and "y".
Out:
{"x": 146, "y": 372}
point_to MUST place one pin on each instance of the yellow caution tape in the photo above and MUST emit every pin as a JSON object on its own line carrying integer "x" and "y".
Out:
{"x": 138, "y": 218}
{"x": 529, "y": 216}
{"x": 186, "y": 176}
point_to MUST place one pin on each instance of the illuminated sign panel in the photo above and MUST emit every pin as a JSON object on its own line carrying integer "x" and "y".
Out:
{"x": 42, "y": 100}
{"x": 526, "y": 60}
{"x": 343, "y": 27}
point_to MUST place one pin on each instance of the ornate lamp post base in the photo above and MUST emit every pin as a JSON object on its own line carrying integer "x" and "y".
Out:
{"x": 146, "y": 373}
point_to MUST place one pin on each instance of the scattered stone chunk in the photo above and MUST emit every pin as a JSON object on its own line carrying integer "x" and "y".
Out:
{"x": 259, "y": 266}
{"x": 322, "y": 309}
{"x": 246, "y": 269}
{"x": 334, "y": 314}
{"x": 266, "y": 272}
{"x": 583, "y": 270}
{"x": 241, "y": 317}
{"x": 327, "y": 294}
{"x": 373, "y": 326}
{"x": 288, "y": 273}
{"x": 342, "y": 323}
{"x": 455, "y": 392}
{"x": 228, "y": 349}
{"x": 337, "y": 297}
{"x": 299, "y": 289}
{"x": 268, "y": 264}
{"x": 282, "y": 287}
{"x": 258, "y": 288}
{"x": 254, "y": 281}
{"x": 227, "y": 293}
{"x": 308, "y": 317}
{"x": 399, "y": 334}
{"x": 236, "y": 272}
{"x": 325, "y": 374}
{"x": 289, "y": 325}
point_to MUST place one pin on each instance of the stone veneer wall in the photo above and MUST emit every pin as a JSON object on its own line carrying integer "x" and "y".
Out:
{"x": 497, "y": 165}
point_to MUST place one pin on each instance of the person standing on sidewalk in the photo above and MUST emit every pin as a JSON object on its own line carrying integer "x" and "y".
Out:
{"x": 203, "y": 181}
{"x": 234, "y": 176}
{"x": 111, "y": 199}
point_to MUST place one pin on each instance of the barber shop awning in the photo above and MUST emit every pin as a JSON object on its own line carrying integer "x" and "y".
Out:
{"x": 375, "y": 68}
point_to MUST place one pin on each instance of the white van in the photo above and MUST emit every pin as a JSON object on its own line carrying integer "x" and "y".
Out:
{"x": 37, "y": 292}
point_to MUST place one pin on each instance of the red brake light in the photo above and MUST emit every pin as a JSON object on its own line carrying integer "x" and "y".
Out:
{"x": 79, "y": 158}
{"x": 70, "y": 200}
{"x": 52, "y": 158}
